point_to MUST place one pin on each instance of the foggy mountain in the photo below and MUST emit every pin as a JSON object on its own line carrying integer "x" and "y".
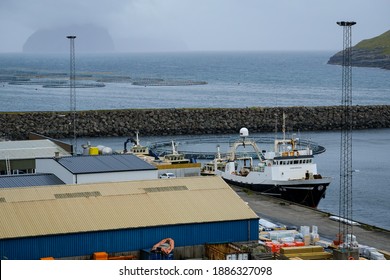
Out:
{"x": 90, "y": 38}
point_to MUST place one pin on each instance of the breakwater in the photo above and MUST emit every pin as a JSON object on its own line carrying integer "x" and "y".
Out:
{"x": 17, "y": 125}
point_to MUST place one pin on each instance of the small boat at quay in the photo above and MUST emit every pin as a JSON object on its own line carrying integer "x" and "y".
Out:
{"x": 148, "y": 155}
{"x": 288, "y": 172}
{"x": 218, "y": 163}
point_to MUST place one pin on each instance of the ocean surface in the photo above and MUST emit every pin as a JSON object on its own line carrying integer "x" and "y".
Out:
{"x": 232, "y": 80}
{"x": 198, "y": 80}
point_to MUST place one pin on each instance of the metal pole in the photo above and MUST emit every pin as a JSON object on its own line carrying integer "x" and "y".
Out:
{"x": 345, "y": 200}
{"x": 72, "y": 86}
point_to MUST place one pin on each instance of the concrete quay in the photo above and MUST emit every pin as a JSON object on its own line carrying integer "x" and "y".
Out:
{"x": 291, "y": 214}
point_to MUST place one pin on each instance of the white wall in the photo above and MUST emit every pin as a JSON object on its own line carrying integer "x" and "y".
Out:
{"x": 49, "y": 165}
{"x": 117, "y": 176}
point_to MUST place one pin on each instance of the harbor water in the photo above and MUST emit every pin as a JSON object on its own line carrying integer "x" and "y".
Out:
{"x": 371, "y": 163}
{"x": 31, "y": 82}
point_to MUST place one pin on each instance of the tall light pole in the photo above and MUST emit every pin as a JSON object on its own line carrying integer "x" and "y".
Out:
{"x": 72, "y": 86}
{"x": 345, "y": 199}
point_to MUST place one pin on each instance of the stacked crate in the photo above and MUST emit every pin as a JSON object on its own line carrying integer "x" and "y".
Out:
{"x": 225, "y": 251}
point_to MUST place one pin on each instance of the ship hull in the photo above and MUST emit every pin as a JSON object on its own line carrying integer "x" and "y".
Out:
{"x": 304, "y": 192}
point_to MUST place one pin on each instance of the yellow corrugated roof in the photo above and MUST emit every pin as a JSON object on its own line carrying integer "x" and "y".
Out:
{"x": 47, "y": 210}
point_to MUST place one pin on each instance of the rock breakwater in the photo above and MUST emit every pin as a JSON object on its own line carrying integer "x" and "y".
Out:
{"x": 159, "y": 122}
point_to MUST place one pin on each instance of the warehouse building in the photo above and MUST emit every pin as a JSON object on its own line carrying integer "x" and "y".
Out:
{"x": 75, "y": 221}
{"x": 18, "y": 157}
{"x": 86, "y": 169}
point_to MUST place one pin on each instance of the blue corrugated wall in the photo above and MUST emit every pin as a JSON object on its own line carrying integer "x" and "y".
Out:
{"x": 80, "y": 244}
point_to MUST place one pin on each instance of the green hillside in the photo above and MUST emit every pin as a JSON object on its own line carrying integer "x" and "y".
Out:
{"x": 380, "y": 42}
{"x": 374, "y": 52}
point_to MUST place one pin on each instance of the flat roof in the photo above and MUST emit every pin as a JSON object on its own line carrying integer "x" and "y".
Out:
{"x": 29, "y": 149}
{"x": 103, "y": 163}
{"x": 28, "y": 180}
{"x": 37, "y": 211}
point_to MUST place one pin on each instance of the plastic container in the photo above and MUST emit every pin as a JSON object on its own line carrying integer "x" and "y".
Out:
{"x": 147, "y": 254}
{"x": 100, "y": 256}
{"x": 93, "y": 151}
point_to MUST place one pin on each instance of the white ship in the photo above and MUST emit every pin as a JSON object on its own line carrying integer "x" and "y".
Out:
{"x": 287, "y": 172}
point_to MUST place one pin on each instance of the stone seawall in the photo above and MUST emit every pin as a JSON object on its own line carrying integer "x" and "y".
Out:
{"x": 17, "y": 125}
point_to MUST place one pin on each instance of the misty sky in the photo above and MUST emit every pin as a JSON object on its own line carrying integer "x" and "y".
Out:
{"x": 200, "y": 25}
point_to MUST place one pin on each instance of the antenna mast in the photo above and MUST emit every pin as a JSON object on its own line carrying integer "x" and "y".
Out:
{"x": 345, "y": 200}
{"x": 72, "y": 86}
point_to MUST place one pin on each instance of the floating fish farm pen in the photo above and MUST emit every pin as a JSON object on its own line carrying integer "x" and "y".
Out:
{"x": 205, "y": 147}
{"x": 122, "y": 218}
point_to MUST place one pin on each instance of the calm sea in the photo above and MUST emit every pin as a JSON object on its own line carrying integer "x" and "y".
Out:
{"x": 232, "y": 80}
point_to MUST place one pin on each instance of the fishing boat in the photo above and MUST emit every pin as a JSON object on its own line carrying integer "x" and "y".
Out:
{"x": 137, "y": 149}
{"x": 218, "y": 163}
{"x": 169, "y": 165}
{"x": 288, "y": 172}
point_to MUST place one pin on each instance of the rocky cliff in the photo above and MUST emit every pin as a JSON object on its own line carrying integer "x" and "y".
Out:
{"x": 374, "y": 52}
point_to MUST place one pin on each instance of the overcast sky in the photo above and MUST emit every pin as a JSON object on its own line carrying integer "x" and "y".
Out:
{"x": 200, "y": 25}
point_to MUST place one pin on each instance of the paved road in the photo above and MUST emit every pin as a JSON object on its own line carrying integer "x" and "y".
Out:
{"x": 287, "y": 213}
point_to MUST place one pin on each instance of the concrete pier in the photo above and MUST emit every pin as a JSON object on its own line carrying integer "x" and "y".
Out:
{"x": 287, "y": 213}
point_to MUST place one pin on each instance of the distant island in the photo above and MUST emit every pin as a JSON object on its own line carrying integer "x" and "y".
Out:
{"x": 374, "y": 52}
{"x": 90, "y": 38}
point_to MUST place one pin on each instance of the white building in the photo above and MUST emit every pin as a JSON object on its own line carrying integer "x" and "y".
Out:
{"x": 18, "y": 157}
{"x": 99, "y": 168}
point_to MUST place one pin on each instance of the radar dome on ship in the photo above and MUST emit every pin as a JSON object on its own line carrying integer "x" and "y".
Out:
{"x": 244, "y": 132}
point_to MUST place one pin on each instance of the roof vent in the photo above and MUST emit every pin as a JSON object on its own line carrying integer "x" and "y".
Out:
{"x": 77, "y": 194}
{"x": 166, "y": 189}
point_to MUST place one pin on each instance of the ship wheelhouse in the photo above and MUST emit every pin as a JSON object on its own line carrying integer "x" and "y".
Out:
{"x": 293, "y": 160}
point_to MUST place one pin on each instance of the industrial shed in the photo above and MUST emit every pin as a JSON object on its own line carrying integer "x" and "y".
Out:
{"x": 85, "y": 169}
{"x": 18, "y": 157}
{"x": 74, "y": 221}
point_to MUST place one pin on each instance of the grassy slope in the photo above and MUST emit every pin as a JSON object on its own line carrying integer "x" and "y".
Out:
{"x": 381, "y": 41}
